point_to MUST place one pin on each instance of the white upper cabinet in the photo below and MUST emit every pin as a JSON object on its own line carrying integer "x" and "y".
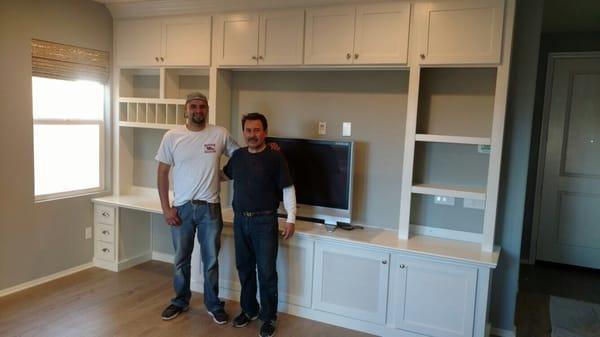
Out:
{"x": 266, "y": 38}
{"x": 460, "y": 32}
{"x": 170, "y": 41}
{"x": 365, "y": 34}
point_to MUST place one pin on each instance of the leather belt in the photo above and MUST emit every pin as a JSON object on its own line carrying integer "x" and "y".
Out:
{"x": 257, "y": 213}
{"x": 199, "y": 202}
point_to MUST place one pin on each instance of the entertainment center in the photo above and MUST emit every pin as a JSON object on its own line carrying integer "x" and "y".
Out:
{"x": 424, "y": 84}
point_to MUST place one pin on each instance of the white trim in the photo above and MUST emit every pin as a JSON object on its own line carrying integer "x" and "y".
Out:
{"x": 45, "y": 279}
{"x": 148, "y": 125}
{"x": 69, "y": 194}
{"x": 503, "y": 332}
{"x": 445, "y": 233}
{"x": 450, "y": 191}
{"x": 421, "y": 137}
{"x": 163, "y": 257}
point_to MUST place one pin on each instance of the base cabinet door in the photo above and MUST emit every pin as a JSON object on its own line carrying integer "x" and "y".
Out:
{"x": 295, "y": 271}
{"x": 433, "y": 298}
{"x": 351, "y": 281}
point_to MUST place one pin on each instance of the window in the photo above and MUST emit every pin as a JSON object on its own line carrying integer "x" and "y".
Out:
{"x": 68, "y": 100}
{"x": 68, "y": 121}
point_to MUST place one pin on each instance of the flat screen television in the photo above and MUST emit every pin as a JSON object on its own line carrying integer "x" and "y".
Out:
{"x": 322, "y": 174}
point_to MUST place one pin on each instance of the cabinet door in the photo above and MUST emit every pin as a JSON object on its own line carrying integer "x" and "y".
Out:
{"x": 381, "y": 33}
{"x": 186, "y": 41}
{"x": 238, "y": 39}
{"x": 329, "y": 35}
{"x": 281, "y": 38}
{"x": 351, "y": 281}
{"x": 433, "y": 298}
{"x": 295, "y": 271}
{"x": 461, "y": 32}
{"x": 138, "y": 42}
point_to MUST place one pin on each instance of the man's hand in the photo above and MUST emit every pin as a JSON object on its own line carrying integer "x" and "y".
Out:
{"x": 172, "y": 217}
{"x": 274, "y": 146}
{"x": 289, "y": 230}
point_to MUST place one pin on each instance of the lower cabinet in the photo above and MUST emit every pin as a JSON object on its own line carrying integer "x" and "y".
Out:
{"x": 432, "y": 298}
{"x": 295, "y": 271}
{"x": 351, "y": 281}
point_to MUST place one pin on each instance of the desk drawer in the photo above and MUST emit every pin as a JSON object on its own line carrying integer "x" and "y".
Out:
{"x": 104, "y": 214}
{"x": 104, "y": 233}
{"x": 104, "y": 250}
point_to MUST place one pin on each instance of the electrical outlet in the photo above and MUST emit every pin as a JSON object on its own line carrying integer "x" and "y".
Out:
{"x": 443, "y": 200}
{"x": 322, "y": 128}
{"x": 88, "y": 233}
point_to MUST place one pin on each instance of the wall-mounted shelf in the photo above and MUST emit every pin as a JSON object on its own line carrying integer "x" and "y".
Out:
{"x": 151, "y": 113}
{"x": 421, "y": 137}
{"x": 450, "y": 191}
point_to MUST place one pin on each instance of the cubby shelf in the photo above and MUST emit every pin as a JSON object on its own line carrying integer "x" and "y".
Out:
{"x": 421, "y": 137}
{"x": 151, "y": 112}
{"x": 450, "y": 191}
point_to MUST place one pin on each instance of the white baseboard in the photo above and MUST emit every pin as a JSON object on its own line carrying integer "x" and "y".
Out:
{"x": 163, "y": 257}
{"x": 503, "y": 332}
{"x": 45, "y": 279}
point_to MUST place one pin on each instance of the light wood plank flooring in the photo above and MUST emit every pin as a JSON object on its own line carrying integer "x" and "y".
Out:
{"x": 96, "y": 302}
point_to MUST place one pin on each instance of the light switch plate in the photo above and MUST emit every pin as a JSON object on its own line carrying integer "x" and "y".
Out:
{"x": 346, "y": 129}
{"x": 322, "y": 128}
{"x": 88, "y": 233}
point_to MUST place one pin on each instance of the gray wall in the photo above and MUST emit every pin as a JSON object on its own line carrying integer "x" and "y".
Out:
{"x": 515, "y": 156}
{"x": 38, "y": 239}
{"x": 375, "y": 103}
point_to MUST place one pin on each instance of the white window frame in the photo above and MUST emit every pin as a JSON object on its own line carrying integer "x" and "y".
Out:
{"x": 102, "y": 149}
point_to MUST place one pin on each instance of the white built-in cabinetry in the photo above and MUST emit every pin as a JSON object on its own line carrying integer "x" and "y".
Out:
{"x": 363, "y": 34}
{"x": 265, "y": 38}
{"x": 431, "y": 277}
{"x": 170, "y": 41}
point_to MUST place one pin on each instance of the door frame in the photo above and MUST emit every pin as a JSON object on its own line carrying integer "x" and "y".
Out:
{"x": 537, "y": 203}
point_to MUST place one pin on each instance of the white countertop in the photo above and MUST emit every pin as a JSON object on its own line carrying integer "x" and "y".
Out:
{"x": 467, "y": 252}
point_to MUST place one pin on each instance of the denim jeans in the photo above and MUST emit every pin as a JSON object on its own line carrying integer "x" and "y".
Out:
{"x": 256, "y": 249}
{"x": 205, "y": 221}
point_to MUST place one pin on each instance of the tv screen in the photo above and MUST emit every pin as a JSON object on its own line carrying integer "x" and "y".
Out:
{"x": 321, "y": 171}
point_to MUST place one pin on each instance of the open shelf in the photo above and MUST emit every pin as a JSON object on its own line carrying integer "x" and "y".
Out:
{"x": 450, "y": 191}
{"x": 420, "y": 137}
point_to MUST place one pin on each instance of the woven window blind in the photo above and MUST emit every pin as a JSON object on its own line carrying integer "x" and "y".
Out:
{"x": 66, "y": 62}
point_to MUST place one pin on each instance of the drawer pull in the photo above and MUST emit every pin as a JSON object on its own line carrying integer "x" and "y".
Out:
{"x": 156, "y": 58}
{"x": 105, "y": 250}
{"x": 348, "y": 56}
{"x": 422, "y": 56}
{"x": 105, "y": 213}
{"x": 105, "y": 232}
{"x": 402, "y": 266}
{"x": 384, "y": 262}
{"x": 356, "y": 56}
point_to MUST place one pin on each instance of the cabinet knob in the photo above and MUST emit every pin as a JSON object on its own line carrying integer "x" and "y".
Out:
{"x": 105, "y": 213}
{"x": 260, "y": 57}
{"x": 156, "y": 58}
{"x": 348, "y": 56}
{"x": 254, "y": 57}
{"x": 105, "y": 232}
{"x": 162, "y": 59}
{"x": 105, "y": 250}
{"x": 356, "y": 56}
{"x": 384, "y": 262}
{"x": 422, "y": 56}
{"x": 402, "y": 266}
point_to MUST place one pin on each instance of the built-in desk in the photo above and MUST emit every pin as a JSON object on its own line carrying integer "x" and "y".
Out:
{"x": 368, "y": 280}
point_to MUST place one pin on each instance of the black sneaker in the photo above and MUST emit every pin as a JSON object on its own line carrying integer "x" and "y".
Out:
{"x": 242, "y": 320}
{"x": 172, "y": 311}
{"x": 219, "y": 316}
{"x": 267, "y": 329}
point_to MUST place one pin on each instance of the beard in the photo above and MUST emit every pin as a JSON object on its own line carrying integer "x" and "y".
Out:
{"x": 198, "y": 119}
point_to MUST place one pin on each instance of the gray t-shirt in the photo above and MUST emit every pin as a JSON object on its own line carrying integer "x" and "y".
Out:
{"x": 194, "y": 157}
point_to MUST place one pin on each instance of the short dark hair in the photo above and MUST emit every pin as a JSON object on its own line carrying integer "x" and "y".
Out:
{"x": 255, "y": 116}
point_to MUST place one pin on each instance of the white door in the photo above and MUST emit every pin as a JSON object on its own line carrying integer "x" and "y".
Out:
{"x": 433, "y": 298}
{"x": 138, "y": 42}
{"x": 569, "y": 220}
{"x": 460, "y": 32}
{"x": 351, "y": 281}
{"x": 329, "y": 35}
{"x": 381, "y": 33}
{"x": 281, "y": 38}
{"x": 238, "y": 39}
{"x": 295, "y": 271}
{"x": 186, "y": 41}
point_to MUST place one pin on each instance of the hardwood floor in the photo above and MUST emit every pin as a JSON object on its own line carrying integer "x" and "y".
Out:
{"x": 96, "y": 302}
{"x": 536, "y": 284}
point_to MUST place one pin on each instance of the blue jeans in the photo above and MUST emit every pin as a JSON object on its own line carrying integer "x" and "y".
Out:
{"x": 206, "y": 222}
{"x": 256, "y": 249}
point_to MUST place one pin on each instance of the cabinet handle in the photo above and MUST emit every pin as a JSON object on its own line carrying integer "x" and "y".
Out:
{"x": 156, "y": 58}
{"x": 105, "y": 213}
{"x": 356, "y": 56}
{"x": 260, "y": 57}
{"x": 105, "y": 250}
{"x": 105, "y": 232}
{"x": 162, "y": 59}
{"x": 402, "y": 266}
{"x": 384, "y": 262}
{"x": 348, "y": 56}
{"x": 422, "y": 56}
{"x": 254, "y": 57}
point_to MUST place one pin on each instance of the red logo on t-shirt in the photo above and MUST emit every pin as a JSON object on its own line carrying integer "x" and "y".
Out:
{"x": 210, "y": 148}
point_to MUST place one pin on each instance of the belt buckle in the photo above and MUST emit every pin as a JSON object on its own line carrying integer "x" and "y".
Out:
{"x": 248, "y": 214}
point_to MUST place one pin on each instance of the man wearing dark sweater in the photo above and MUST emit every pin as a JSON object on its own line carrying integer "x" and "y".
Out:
{"x": 259, "y": 175}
